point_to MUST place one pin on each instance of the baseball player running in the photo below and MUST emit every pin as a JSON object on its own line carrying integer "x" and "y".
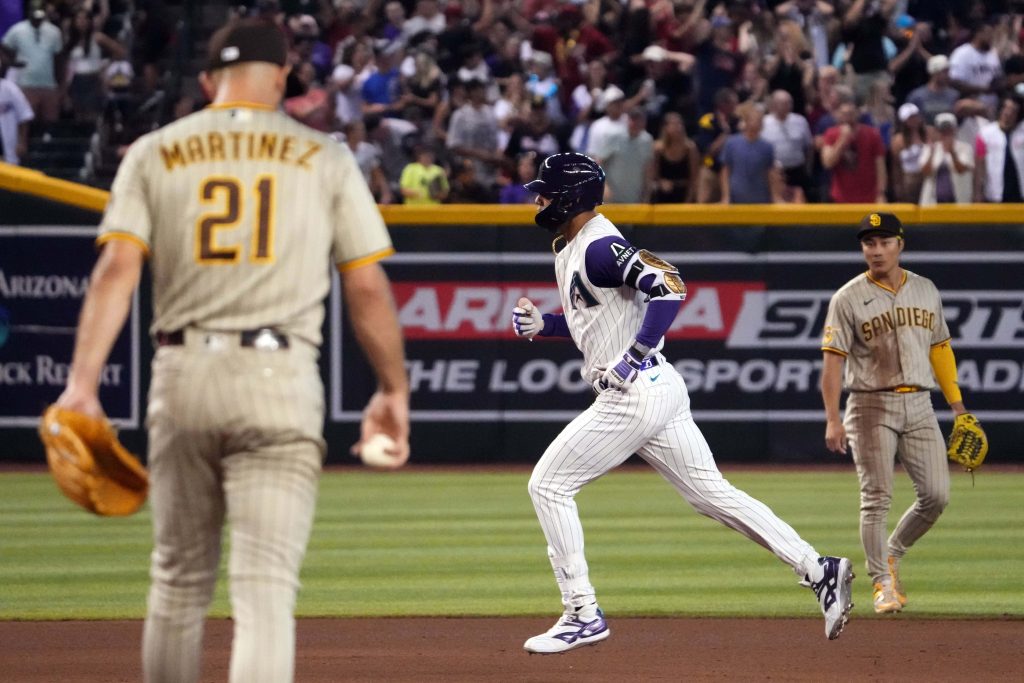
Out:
{"x": 888, "y": 327}
{"x": 618, "y": 301}
{"x": 241, "y": 212}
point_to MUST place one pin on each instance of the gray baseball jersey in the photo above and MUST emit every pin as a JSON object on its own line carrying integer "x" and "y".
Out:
{"x": 243, "y": 212}
{"x": 651, "y": 419}
{"x": 885, "y": 337}
{"x": 219, "y": 196}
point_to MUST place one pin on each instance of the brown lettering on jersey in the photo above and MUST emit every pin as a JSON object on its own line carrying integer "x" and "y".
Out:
{"x": 194, "y": 147}
{"x": 215, "y": 143}
{"x": 252, "y": 145}
{"x": 172, "y": 156}
{"x": 311, "y": 149}
{"x": 268, "y": 146}
{"x": 905, "y": 317}
{"x": 236, "y": 144}
{"x": 287, "y": 148}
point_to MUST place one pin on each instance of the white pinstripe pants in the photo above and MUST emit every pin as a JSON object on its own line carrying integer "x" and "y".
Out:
{"x": 652, "y": 420}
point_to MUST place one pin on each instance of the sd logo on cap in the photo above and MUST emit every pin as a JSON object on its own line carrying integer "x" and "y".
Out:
{"x": 881, "y": 224}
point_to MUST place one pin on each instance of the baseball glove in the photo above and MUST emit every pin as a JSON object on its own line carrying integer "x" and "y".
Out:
{"x": 968, "y": 444}
{"x": 90, "y": 465}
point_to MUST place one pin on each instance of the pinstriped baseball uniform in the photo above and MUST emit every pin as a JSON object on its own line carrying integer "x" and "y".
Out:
{"x": 243, "y": 211}
{"x": 651, "y": 419}
{"x": 885, "y": 337}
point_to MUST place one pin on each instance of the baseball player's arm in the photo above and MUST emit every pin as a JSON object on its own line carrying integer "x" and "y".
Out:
{"x": 943, "y": 364}
{"x": 104, "y": 311}
{"x": 371, "y": 311}
{"x": 527, "y": 321}
{"x": 831, "y": 389}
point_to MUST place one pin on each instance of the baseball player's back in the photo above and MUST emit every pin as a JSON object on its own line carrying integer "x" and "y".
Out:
{"x": 242, "y": 212}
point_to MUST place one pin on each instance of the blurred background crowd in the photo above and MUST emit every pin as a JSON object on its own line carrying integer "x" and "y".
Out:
{"x": 700, "y": 101}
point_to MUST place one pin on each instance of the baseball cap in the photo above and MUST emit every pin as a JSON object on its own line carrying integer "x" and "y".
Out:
{"x": 884, "y": 224}
{"x": 613, "y": 93}
{"x": 937, "y": 63}
{"x": 945, "y": 119}
{"x": 907, "y": 110}
{"x": 654, "y": 53}
{"x": 248, "y": 40}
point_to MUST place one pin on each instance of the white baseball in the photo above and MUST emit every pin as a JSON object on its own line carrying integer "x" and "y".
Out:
{"x": 373, "y": 453}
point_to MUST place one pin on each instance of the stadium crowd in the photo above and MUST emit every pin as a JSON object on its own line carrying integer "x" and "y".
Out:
{"x": 734, "y": 101}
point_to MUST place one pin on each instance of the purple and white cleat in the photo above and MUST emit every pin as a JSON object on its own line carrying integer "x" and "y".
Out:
{"x": 573, "y": 630}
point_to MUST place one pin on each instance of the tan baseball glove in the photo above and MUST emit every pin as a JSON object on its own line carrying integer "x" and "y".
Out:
{"x": 90, "y": 465}
{"x": 968, "y": 444}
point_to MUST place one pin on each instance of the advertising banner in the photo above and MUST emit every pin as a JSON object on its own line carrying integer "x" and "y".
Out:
{"x": 44, "y": 273}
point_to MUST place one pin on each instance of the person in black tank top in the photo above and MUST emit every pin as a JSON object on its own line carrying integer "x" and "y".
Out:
{"x": 677, "y": 162}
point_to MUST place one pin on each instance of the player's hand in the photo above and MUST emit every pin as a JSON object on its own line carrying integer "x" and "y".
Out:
{"x": 527, "y": 321}
{"x": 81, "y": 401}
{"x": 621, "y": 375}
{"x": 835, "y": 437}
{"x": 386, "y": 413}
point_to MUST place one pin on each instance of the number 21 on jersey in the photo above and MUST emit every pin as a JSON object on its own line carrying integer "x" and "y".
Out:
{"x": 224, "y": 199}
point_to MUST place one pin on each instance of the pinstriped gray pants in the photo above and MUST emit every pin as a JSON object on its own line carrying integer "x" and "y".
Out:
{"x": 881, "y": 426}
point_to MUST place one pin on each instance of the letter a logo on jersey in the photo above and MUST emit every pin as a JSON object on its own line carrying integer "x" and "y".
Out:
{"x": 579, "y": 295}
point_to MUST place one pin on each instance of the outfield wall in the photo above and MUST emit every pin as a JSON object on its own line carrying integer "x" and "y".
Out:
{"x": 746, "y": 339}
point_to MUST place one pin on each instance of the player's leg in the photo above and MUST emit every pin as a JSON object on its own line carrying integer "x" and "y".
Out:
{"x": 681, "y": 454}
{"x": 270, "y": 485}
{"x": 923, "y": 454}
{"x": 873, "y": 423}
{"x": 598, "y": 440}
{"x": 188, "y": 513}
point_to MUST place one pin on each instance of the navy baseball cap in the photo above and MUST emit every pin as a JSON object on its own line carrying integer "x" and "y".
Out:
{"x": 248, "y": 40}
{"x": 883, "y": 224}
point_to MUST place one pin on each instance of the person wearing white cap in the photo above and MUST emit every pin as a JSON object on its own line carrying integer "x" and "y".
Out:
{"x": 907, "y": 146}
{"x": 605, "y": 132}
{"x": 937, "y": 95}
{"x": 947, "y": 166}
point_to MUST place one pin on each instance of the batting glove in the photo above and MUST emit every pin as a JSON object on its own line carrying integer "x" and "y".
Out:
{"x": 621, "y": 375}
{"x": 527, "y": 321}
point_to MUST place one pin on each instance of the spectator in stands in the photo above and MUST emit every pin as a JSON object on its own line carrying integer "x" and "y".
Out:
{"x": 541, "y": 81}
{"x": 713, "y": 129}
{"x": 511, "y": 108}
{"x": 307, "y": 46}
{"x": 153, "y": 30}
{"x": 749, "y": 174}
{"x": 421, "y": 92}
{"x": 466, "y": 186}
{"x": 974, "y": 67}
{"x": 822, "y": 96}
{"x": 394, "y": 21}
{"x": 609, "y": 126}
{"x": 35, "y": 43}
{"x": 525, "y": 170}
{"x": 396, "y": 139}
{"x": 813, "y": 17}
{"x": 427, "y": 17}
{"x": 15, "y": 114}
{"x": 87, "y": 52}
{"x": 947, "y": 165}
{"x": 909, "y": 68}
{"x": 999, "y": 170}
{"x": 367, "y": 155}
{"x": 313, "y": 104}
{"x": 669, "y": 76}
{"x": 629, "y": 162}
{"x": 585, "y": 99}
{"x": 473, "y": 133}
{"x": 792, "y": 68}
{"x": 536, "y": 134}
{"x": 718, "y": 63}
{"x": 863, "y": 30}
{"x": 676, "y": 163}
{"x": 752, "y": 86}
{"x": 381, "y": 91}
{"x": 908, "y": 147}
{"x": 879, "y": 112}
{"x": 854, "y": 153}
{"x": 790, "y": 137}
{"x": 356, "y": 65}
{"x": 936, "y": 96}
{"x": 423, "y": 182}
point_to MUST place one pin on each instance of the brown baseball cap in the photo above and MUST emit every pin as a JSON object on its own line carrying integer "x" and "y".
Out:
{"x": 248, "y": 40}
{"x": 883, "y": 224}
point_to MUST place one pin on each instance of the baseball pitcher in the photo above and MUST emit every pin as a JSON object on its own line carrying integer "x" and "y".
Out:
{"x": 887, "y": 327}
{"x": 617, "y": 303}
{"x": 241, "y": 212}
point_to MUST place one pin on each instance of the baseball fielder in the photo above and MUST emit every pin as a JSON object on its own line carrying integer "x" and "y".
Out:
{"x": 241, "y": 212}
{"x": 888, "y": 327}
{"x": 618, "y": 301}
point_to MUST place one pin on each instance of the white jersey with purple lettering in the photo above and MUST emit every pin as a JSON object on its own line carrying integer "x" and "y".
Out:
{"x": 608, "y": 288}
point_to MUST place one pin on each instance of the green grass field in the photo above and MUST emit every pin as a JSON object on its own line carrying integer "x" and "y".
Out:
{"x": 450, "y": 543}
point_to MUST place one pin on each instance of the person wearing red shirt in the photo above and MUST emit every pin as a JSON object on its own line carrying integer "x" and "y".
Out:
{"x": 855, "y": 154}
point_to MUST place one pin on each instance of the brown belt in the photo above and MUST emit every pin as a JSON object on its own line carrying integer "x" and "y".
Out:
{"x": 263, "y": 338}
{"x": 900, "y": 389}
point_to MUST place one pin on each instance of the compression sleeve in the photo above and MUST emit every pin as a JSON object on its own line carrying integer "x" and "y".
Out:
{"x": 944, "y": 366}
{"x": 554, "y": 326}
